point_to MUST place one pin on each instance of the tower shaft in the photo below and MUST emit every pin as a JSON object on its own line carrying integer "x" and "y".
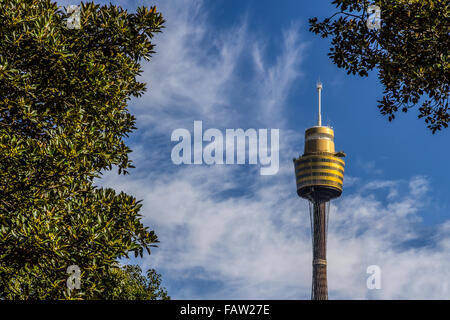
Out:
{"x": 319, "y": 286}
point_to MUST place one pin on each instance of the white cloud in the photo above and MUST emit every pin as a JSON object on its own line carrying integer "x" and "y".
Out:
{"x": 195, "y": 74}
{"x": 190, "y": 74}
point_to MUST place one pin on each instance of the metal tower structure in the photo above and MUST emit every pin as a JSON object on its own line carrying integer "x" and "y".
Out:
{"x": 319, "y": 174}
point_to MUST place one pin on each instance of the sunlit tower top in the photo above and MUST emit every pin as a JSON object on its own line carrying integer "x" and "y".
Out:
{"x": 320, "y": 170}
{"x": 319, "y": 175}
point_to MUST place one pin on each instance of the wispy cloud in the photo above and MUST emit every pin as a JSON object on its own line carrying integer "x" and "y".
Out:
{"x": 196, "y": 74}
{"x": 191, "y": 74}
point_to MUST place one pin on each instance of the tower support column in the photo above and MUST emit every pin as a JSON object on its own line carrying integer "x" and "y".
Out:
{"x": 319, "y": 286}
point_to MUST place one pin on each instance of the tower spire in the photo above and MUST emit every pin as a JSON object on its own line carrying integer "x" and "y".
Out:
{"x": 319, "y": 90}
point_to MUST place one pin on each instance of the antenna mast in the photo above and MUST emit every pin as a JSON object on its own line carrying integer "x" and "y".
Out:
{"x": 319, "y": 89}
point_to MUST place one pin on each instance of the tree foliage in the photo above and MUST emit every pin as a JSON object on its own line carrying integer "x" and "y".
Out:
{"x": 128, "y": 283}
{"x": 410, "y": 51}
{"x": 63, "y": 120}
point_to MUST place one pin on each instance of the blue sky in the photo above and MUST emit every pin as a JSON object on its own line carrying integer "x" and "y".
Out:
{"x": 228, "y": 232}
